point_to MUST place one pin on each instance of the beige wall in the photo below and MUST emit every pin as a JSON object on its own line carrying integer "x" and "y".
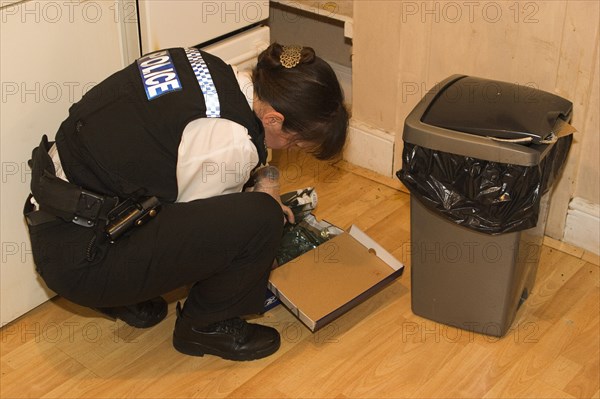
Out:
{"x": 402, "y": 48}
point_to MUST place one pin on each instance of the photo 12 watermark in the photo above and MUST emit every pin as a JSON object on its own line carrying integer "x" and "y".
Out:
{"x": 300, "y": 166}
{"x": 431, "y": 332}
{"x": 15, "y": 172}
{"x": 295, "y": 331}
{"x": 15, "y": 252}
{"x": 73, "y": 332}
{"x": 68, "y": 11}
{"x": 467, "y": 253}
{"x": 294, "y": 11}
{"x": 454, "y": 12}
{"x": 471, "y": 92}
{"x": 43, "y": 92}
{"x": 233, "y": 11}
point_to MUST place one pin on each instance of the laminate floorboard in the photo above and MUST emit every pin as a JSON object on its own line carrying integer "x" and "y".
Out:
{"x": 379, "y": 349}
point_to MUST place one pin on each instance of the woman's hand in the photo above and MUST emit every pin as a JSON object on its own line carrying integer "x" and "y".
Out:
{"x": 288, "y": 214}
{"x": 267, "y": 181}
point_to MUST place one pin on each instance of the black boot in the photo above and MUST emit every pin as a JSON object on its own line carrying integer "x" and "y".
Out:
{"x": 232, "y": 339}
{"x": 141, "y": 315}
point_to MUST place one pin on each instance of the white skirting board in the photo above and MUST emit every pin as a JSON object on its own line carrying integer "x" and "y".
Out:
{"x": 370, "y": 148}
{"x": 583, "y": 225}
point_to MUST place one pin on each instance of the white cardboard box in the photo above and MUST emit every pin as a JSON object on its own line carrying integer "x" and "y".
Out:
{"x": 322, "y": 284}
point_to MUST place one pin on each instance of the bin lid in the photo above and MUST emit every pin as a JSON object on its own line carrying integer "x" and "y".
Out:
{"x": 464, "y": 115}
{"x": 496, "y": 109}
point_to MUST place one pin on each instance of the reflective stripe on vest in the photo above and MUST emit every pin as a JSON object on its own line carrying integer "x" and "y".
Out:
{"x": 211, "y": 98}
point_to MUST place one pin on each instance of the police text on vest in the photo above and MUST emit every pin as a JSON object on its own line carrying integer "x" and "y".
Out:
{"x": 158, "y": 74}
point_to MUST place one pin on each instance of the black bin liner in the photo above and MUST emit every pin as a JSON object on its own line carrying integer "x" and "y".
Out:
{"x": 485, "y": 196}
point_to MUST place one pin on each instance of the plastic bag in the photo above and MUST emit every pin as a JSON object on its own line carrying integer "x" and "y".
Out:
{"x": 301, "y": 202}
{"x": 302, "y": 237}
{"x": 485, "y": 196}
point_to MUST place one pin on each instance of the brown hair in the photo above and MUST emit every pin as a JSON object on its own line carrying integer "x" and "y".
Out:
{"x": 308, "y": 95}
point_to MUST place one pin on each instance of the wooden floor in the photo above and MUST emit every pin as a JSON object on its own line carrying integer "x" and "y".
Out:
{"x": 378, "y": 350}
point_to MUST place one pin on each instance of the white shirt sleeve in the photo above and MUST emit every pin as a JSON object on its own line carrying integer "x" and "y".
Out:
{"x": 215, "y": 157}
{"x": 59, "y": 172}
{"x": 244, "y": 79}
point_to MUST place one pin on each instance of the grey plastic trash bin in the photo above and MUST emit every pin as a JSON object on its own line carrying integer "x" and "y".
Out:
{"x": 479, "y": 204}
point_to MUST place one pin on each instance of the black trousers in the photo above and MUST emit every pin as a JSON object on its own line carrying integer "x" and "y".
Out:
{"x": 224, "y": 246}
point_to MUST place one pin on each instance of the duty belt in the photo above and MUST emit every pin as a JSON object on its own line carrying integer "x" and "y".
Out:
{"x": 59, "y": 198}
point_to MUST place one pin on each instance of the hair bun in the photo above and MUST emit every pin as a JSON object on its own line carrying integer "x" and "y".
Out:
{"x": 308, "y": 55}
{"x": 278, "y": 56}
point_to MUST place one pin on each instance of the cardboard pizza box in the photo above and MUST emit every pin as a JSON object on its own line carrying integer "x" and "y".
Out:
{"x": 328, "y": 281}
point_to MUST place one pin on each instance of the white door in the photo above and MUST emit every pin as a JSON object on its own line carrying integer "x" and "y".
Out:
{"x": 51, "y": 53}
{"x": 184, "y": 23}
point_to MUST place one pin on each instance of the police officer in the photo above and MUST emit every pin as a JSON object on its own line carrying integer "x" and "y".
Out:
{"x": 143, "y": 190}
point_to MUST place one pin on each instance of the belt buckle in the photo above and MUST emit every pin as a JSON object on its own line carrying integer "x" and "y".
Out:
{"x": 88, "y": 208}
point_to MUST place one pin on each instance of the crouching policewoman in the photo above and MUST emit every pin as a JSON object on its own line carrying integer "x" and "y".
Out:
{"x": 142, "y": 191}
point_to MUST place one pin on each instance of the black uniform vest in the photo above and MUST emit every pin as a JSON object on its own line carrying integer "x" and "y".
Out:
{"x": 123, "y": 136}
